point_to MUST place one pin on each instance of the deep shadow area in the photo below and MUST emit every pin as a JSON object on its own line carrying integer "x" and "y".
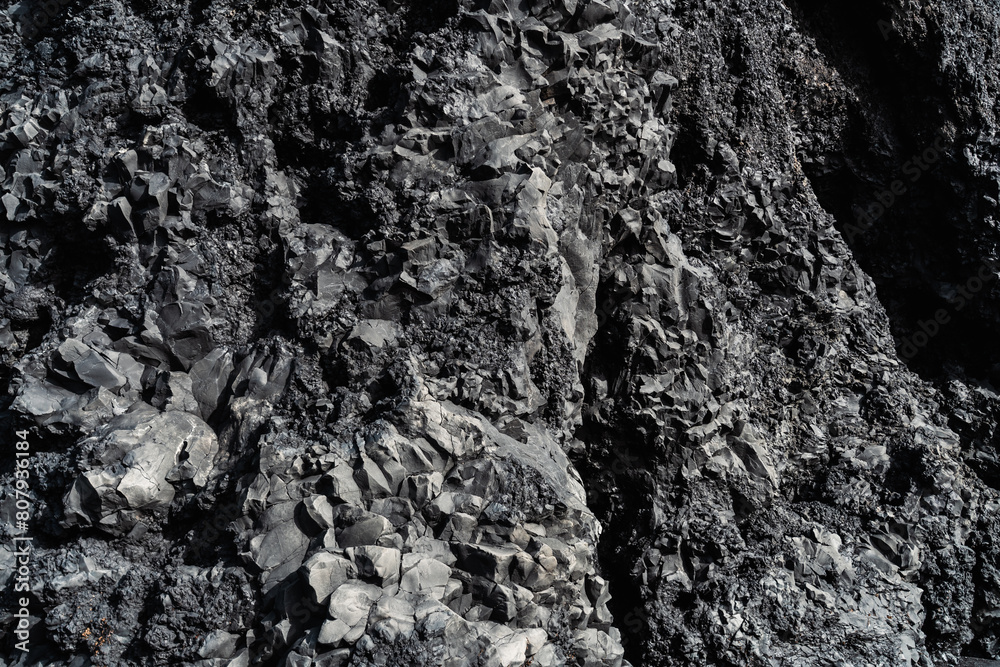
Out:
{"x": 622, "y": 502}
{"x": 902, "y": 195}
{"x": 918, "y": 219}
{"x": 615, "y": 471}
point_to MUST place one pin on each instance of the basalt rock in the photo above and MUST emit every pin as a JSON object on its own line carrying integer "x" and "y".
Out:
{"x": 500, "y": 332}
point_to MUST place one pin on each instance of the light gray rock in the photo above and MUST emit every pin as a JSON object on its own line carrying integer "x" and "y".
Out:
{"x": 140, "y": 457}
{"x": 425, "y": 575}
{"x": 372, "y": 479}
{"x": 350, "y": 606}
{"x": 319, "y": 511}
{"x": 392, "y": 618}
{"x": 218, "y": 644}
{"x": 365, "y": 531}
{"x": 343, "y": 485}
{"x": 325, "y": 572}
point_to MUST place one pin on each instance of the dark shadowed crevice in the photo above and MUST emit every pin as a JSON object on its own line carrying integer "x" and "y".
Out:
{"x": 620, "y": 497}
{"x": 615, "y": 472}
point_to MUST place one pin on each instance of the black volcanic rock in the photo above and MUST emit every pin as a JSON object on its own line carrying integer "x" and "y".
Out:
{"x": 499, "y": 333}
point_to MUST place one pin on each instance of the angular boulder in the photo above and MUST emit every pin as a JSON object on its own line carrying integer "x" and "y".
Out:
{"x": 137, "y": 463}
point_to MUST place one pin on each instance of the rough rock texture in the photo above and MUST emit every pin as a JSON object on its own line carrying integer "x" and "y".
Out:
{"x": 502, "y": 332}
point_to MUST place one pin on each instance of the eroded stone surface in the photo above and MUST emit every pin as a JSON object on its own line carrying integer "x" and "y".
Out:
{"x": 367, "y": 333}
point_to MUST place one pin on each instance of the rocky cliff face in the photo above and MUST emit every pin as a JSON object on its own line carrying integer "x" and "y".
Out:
{"x": 500, "y": 333}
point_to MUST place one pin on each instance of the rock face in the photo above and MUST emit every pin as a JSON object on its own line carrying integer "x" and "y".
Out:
{"x": 501, "y": 332}
{"x": 139, "y": 457}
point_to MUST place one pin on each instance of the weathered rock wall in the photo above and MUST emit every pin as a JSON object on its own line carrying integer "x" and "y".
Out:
{"x": 501, "y": 332}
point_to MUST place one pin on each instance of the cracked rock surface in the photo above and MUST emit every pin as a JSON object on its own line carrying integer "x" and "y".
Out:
{"x": 497, "y": 333}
